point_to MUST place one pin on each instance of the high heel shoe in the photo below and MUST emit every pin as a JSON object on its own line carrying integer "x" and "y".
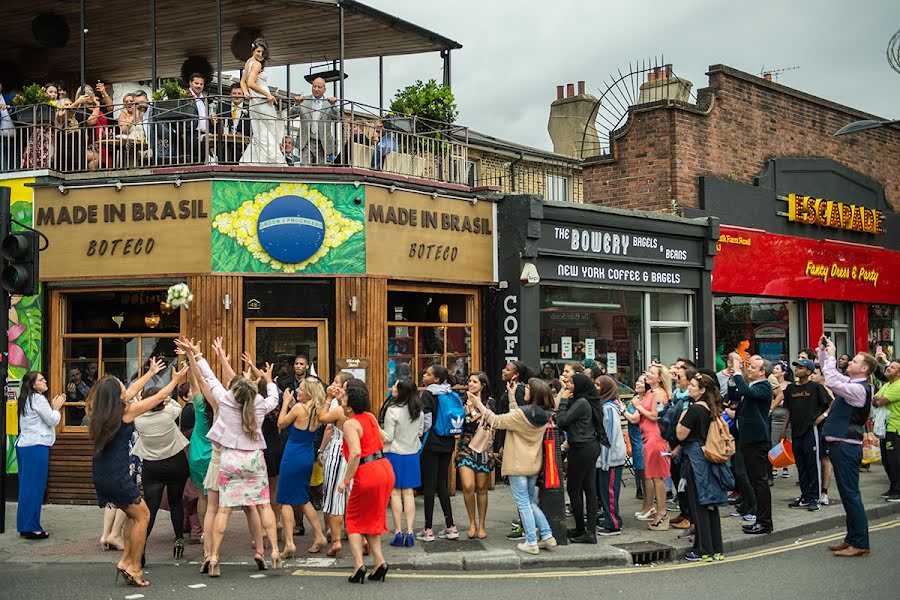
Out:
{"x": 645, "y": 516}
{"x": 380, "y": 573}
{"x": 317, "y": 547}
{"x": 661, "y": 524}
{"x": 277, "y": 563}
{"x": 122, "y": 572}
{"x": 289, "y": 552}
{"x": 136, "y": 579}
{"x": 260, "y": 562}
{"x": 204, "y": 568}
{"x": 359, "y": 576}
{"x": 178, "y": 550}
{"x": 365, "y": 547}
{"x": 214, "y": 568}
{"x": 335, "y": 551}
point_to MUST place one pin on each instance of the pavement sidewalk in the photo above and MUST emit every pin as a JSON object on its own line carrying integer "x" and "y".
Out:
{"x": 75, "y": 532}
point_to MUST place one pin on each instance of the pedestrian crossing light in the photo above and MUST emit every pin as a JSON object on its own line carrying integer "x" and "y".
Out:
{"x": 20, "y": 251}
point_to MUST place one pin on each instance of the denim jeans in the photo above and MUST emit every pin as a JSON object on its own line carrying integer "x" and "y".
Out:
{"x": 533, "y": 518}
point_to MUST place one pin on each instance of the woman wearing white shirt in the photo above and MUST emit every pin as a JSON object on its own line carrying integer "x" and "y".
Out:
{"x": 38, "y": 419}
{"x": 164, "y": 464}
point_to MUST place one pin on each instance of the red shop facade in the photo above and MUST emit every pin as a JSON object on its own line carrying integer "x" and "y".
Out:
{"x": 811, "y": 248}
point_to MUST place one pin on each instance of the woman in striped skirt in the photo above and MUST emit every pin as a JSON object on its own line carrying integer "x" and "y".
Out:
{"x": 333, "y": 463}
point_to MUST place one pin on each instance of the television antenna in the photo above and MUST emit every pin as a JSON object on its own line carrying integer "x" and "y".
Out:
{"x": 774, "y": 74}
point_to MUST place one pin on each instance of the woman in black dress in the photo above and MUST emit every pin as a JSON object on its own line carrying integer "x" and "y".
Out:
{"x": 112, "y": 415}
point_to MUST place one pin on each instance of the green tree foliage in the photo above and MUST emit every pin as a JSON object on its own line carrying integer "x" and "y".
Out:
{"x": 429, "y": 101}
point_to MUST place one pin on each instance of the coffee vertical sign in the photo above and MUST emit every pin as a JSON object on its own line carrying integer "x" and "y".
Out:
{"x": 138, "y": 230}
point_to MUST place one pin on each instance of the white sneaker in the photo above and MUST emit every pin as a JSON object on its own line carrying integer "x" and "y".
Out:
{"x": 824, "y": 501}
{"x": 449, "y": 534}
{"x": 528, "y": 549}
{"x": 426, "y": 535}
{"x": 550, "y": 542}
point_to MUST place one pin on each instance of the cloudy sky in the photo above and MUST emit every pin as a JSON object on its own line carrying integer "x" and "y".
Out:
{"x": 515, "y": 53}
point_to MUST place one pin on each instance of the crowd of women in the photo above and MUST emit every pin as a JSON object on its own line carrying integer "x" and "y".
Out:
{"x": 282, "y": 455}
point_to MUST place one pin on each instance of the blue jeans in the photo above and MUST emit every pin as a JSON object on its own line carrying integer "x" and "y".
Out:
{"x": 846, "y": 460}
{"x": 533, "y": 518}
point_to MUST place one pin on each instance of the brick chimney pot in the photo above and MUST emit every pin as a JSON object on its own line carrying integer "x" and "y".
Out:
{"x": 570, "y": 90}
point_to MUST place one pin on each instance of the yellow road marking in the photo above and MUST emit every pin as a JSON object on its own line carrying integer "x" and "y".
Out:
{"x": 605, "y": 572}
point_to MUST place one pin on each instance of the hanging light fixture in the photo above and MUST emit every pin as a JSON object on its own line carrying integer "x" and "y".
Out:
{"x": 444, "y": 313}
{"x": 151, "y": 320}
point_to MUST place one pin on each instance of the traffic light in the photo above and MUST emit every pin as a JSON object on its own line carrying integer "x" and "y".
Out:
{"x": 20, "y": 251}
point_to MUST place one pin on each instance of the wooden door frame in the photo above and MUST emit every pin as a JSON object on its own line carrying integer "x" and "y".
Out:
{"x": 321, "y": 325}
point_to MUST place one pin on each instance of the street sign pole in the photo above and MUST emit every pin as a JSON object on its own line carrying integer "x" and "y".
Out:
{"x": 5, "y": 220}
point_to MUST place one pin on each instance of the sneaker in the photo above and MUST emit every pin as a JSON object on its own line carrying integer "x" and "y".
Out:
{"x": 426, "y": 535}
{"x": 409, "y": 540}
{"x": 886, "y": 494}
{"x": 515, "y": 523}
{"x": 692, "y": 556}
{"x": 823, "y": 500}
{"x": 735, "y": 513}
{"x": 687, "y": 536}
{"x": 568, "y": 509}
{"x": 673, "y": 505}
{"x": 608, "y": 532}
{"x": 450, "y": 533}
{"x": 398, "y": 540}
{"x": 893, "y": 498}
{"x": 550, "y": 542}
{"x": 718, "y": 556}
{"x": 798, "y": 503}
{"x": 516, "y": 534}
{"x": 750, "y": 518}
{"x": 528, "y": 549}
{"x": 774, "y": 472}
{"x": 707, "y": 558}
{"x": 785, "y": 474}
{"x": 814, "y": 506}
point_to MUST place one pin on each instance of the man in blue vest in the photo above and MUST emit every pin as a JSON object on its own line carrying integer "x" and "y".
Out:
{"x": 843, "y": 432}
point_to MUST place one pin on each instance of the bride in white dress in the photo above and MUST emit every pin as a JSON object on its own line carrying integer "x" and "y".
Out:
{"x": 268, "y": 129}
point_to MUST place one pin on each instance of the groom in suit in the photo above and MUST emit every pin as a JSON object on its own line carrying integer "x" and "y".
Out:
{"x": 232, "y": 118}
{"x": 318, "y": 115}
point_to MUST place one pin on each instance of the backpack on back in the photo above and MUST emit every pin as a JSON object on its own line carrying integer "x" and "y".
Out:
{"x": 449, "y": 415}
{"x": 719, "y": 446}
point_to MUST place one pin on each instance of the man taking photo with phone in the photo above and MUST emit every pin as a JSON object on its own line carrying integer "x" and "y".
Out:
{"x": 843, "y": 432}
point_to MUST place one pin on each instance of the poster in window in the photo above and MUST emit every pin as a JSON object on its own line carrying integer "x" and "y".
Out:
{"x": 566, "y": 343}
{"x": 590, "y": 348}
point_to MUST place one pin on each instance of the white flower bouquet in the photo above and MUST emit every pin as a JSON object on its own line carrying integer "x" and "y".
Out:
{"x": 179, "y": 295}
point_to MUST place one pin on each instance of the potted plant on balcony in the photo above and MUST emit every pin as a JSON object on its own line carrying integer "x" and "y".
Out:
{"x": 432, "y": 109}
{"x": 172, "y": 102}
{"x": 33, "y": 106}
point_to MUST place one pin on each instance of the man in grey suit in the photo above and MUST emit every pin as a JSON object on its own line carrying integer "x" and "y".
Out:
{"x": 318, "y": 114}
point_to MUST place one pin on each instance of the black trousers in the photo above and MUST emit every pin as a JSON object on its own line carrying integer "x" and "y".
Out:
{"x": 170, "y": 474}
{"x": 707, "y": 525}
{"x": 806, "y": 455}
{"x": 581, "y": 483}
{"x": 890, "y": 456}
{"x": 675, "y": 470}
{"x": 742, "y": 482}
{"x": 756, "y": 459}
{"x": 435, "y": 470}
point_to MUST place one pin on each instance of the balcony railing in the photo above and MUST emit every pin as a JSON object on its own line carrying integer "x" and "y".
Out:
{"x": 171, "y": 134}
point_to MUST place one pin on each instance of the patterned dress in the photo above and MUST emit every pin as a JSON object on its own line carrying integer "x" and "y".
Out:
{"x": 479, "y": 462}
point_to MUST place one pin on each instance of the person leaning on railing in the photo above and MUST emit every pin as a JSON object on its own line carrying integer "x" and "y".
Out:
{"x": 127, "y": 115}
{"x": 9, "y": 157}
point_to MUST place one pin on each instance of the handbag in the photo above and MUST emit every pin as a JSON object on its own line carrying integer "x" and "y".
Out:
{"x": 549, "y": 478}
{"x": 483, "y": 439}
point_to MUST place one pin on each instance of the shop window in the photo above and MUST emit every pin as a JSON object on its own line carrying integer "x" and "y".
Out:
{"x": 671, "y": 334}
{"x": 584, "y": 324}
{"x": 427, "y": 329}
{"x": 836, "y": 317}
{"x": 764, "y": 323}
{"x": 557, "y": 188}
{"x": 112, "y": 333}
{"x": 883, "y": 329}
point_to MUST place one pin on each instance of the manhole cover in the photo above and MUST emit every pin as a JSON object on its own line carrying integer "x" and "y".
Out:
{"x": 643, "y": 553}
{"x": 459, "y": 545}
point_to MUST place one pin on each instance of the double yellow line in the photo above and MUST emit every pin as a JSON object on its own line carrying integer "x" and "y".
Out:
{"x": 788, "y": 547}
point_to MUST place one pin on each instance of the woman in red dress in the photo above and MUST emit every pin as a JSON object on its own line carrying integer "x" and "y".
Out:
{"x": 373, "y": 480}
{"x": 656, "y": 454}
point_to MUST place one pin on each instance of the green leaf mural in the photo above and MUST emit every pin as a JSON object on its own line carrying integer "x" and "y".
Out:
{"x": 236, "y": 208}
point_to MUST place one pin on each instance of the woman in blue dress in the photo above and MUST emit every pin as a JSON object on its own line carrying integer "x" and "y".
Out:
{"x": 300, "y": 416}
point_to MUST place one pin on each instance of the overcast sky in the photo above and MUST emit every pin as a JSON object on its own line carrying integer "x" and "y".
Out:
{"x": 515, "y": 53}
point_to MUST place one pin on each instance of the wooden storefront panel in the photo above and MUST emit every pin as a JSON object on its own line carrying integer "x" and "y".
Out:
{"x": 69, "y": 480}
{"x": 208, "y": 318}
{"x": 363, "y": 333}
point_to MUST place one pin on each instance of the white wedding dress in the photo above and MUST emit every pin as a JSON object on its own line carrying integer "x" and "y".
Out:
{"x": 268, "y": 129}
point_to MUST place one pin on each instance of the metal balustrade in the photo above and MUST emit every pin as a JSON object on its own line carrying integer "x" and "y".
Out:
{"x": 170, "y": 134}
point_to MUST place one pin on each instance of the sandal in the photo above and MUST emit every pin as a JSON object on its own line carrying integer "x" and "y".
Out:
{"x": 136, "y": 579}
{"x": 661, "y": 524}
{"x": 335, "y": 550}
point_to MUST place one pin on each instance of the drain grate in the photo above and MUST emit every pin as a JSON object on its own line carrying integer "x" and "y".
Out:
{"x": 643, "y": 553}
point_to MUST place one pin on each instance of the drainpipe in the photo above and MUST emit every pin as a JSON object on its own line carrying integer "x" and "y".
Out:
{"x": 512, "y": 171}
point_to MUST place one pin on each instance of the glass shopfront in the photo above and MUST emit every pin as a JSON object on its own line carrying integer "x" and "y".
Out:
{"x": 883, "y": 329}
{"x": 113, "y": 332}
{"x": 770, "y": 326}
{"x": 618, "y": 329}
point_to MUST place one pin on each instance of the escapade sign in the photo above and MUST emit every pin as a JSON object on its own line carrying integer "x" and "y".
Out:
{"x": 834, "y": 214}
{"x": 765, "y": 264}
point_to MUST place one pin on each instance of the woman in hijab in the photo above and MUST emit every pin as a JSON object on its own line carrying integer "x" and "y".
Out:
{"x": 575, "y": 415}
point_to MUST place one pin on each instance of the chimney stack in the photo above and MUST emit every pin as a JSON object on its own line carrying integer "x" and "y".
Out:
{"x": 662, "y": 84}
{"x": 569, "y": 115}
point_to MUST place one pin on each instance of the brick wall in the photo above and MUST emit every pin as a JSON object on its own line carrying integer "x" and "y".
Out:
{"x": 664, "y": 149}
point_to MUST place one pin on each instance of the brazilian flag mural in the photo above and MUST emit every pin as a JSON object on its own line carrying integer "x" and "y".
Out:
{"x": 266, "y": 227}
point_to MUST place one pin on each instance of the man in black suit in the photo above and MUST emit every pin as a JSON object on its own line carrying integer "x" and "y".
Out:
{"x": 753, "y": 402}
{"x": 232, "y": 117}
